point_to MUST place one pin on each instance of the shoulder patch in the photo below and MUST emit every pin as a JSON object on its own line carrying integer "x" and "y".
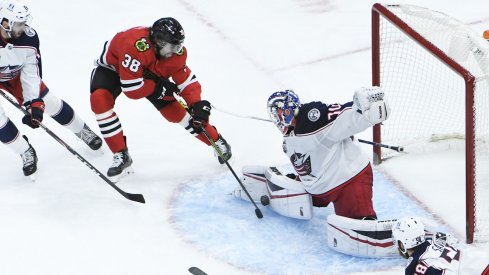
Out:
{"x": 29, "y": 31}
{"x": 313, "y": 115}
{"x": 142, "y": 45}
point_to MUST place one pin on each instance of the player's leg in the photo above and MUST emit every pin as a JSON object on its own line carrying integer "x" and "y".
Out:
{"x": 10, "y": 136}
{"x": 173, "y": 112}
{"x": 104, "y": 88}
{"x": 64, "y": 114}
{"x": 355, "y": 199}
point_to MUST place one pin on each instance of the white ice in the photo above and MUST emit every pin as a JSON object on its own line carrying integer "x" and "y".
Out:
{"x": 70, "y": 222}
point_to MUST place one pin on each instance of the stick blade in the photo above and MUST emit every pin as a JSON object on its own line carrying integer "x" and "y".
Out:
{"x": 135, "y": 197}
{"x": 196, "y": 271}
{"x": 258, "y": 213}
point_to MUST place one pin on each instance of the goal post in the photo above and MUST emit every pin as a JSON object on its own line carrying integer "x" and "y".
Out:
{"x": 435, "y": 72}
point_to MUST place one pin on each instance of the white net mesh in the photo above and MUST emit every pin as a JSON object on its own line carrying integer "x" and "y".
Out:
{"x": 428, "y": 98}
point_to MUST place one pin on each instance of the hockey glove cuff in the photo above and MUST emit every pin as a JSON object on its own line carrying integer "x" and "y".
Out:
{"x": 36, "y": 111}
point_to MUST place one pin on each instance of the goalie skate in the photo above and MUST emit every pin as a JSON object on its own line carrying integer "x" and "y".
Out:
{"x": 121, "y": 166}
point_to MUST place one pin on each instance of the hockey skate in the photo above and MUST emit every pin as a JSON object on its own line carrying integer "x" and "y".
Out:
{"x": 90, "y": 138}
{"x": 121, "y": 165}
{"x": 29, "y": 159}
{"x": 225, "y": 149}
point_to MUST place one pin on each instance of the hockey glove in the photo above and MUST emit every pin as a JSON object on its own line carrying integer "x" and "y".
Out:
{"x": 36, "y": 112}
{"x": 200, "y": 112}
{"x": 370, "y": 102}
{"x": 163, "y": 87}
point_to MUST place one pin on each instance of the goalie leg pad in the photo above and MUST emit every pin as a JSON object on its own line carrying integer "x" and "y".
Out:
{"x": 362, "y": 238}
{"x": 287, "y": 196}
{"x": 254, "y": 180}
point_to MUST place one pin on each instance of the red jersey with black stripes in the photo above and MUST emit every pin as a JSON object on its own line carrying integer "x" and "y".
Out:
{"x": 131, "y": 51}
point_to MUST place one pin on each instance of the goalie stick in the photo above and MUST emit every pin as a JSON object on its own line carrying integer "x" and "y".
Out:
{"x": 395, "y": 148}
{"x": 129, "y": 196}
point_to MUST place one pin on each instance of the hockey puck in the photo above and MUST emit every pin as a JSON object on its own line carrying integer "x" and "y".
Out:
{"x": 485, "y": 34}
{"x": 265, "y": 200}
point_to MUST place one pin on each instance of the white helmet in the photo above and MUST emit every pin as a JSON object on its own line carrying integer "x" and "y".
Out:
{"x": 14, "y": 11}
{"x": 408, "y": 233}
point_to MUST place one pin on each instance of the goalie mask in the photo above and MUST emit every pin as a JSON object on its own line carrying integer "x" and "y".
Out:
{"x": 407, "y": 233}
{"x": 14, "y": 17}
{"x": 167, "y": 36}
{"x": 282, "y": 108}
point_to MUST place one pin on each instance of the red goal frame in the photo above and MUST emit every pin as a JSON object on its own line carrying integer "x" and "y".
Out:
{"x": 379, "y": 10}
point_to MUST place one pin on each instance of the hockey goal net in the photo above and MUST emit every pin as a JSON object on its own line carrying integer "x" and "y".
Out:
{"x": 435, "y": 72}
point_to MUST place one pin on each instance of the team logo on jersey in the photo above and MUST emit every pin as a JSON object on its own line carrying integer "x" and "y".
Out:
{"x": 29, "y": 31}
{"x": 142, "y": 45}
{"x": 302, "y": 164}
{"x": 9, "y": 72}
{"x": 313, "y": 115}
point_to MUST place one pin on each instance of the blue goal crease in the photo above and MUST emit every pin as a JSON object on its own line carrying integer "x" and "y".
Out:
{"x": 206, "y": 215}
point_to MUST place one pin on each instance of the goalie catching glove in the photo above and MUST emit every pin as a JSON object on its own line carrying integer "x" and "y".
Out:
{"x": 371, "y": 103}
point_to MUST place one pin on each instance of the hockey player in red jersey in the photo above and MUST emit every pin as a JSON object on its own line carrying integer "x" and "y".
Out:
{"x": 20, "y": 76}
{"x": 123, "y": 66}
{"x": 435, "y": 253}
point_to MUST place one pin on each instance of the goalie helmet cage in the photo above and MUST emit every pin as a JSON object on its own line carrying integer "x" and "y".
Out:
{"x": 434, "y": 70}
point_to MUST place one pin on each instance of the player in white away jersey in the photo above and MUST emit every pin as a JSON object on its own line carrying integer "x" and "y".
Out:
{"x": 435, "y": 254}
{"x": 20, "y": 76}
{"x": 318, "y": 141}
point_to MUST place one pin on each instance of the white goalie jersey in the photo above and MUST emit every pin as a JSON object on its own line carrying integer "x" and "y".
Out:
{"x": 321, "y": 149}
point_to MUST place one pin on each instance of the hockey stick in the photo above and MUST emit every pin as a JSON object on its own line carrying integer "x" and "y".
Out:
{"x": 129, "y": 196}
{"x": 241, "y": 116}
{"x": 185, "y": 106}
{"x": 395, "y": 148}
{"x": 196, "y": 271}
